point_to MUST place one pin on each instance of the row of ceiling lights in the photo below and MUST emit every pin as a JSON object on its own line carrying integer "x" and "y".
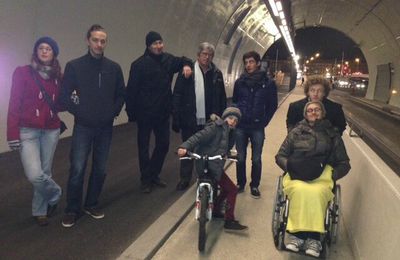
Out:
{"x": 277, "y": 9}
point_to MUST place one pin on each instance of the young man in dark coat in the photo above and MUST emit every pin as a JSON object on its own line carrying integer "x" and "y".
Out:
{"x": 149, "y": 102}
{"x": 93, "y": 90}
{"x": 217, "y": 138}
{"x": 317, "y": 89}
{"x": 256, "y": 97}
{"x": 195, "y": 99}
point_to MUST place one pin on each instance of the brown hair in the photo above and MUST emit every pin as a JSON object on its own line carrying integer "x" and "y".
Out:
{"x": 317, "y": 80}
{"x": 93, "y": 28}
{"x": 252, "y": 54}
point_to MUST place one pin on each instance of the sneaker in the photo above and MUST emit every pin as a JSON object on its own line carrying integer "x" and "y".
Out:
{"x": 41, "y": 220}
{"x": 234, "y": 225}
{"x": 68, "y": 220}
{"x": 313, "y": 247}
{"x": 255, "y": 193}
{"x": 94, "y": 212}
{"x": 51, "y": 209}
{"x": 240, "y": 188}
{"x": 182, "y": 185}
{"x": 295, "y": 243}
{"x": 159, "y": 183}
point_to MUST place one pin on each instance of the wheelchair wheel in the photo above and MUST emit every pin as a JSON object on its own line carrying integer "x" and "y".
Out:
{"x": 335, "y": 215}
{"x": 276, "y": 225}
{"x": 203, "y": 218}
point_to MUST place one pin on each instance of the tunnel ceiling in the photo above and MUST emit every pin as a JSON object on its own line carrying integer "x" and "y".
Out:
{"x": 372, "y": 24}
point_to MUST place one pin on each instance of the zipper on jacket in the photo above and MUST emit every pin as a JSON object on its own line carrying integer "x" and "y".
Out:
{"x": 99, "y": 79}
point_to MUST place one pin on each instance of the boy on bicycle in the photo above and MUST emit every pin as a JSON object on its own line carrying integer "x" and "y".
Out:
{"x": 216, "y": 138}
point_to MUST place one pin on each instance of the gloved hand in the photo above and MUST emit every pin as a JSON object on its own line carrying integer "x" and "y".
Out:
{"x": 14, "y": 145}
{"x": 175, "y": 125}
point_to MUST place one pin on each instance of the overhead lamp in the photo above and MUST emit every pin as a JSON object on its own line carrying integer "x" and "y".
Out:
{"x": 282, "y": 15}
{"x": 278, "y": 5}
{"x": 273, "y": 7}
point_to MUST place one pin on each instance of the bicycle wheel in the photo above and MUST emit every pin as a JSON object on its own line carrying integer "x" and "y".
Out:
{"x": 203, "y": 218}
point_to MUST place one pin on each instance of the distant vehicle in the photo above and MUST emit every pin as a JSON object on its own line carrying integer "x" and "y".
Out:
{"x": 359, "y": 82}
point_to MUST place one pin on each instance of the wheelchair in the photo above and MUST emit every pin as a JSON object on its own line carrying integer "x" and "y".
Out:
{"x": 280, "y": 213}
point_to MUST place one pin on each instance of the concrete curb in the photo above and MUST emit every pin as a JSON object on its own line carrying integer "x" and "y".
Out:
{"x": 146, "y": 246}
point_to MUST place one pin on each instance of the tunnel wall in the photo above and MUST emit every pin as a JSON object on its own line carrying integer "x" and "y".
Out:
{"x": 183, "y": 24}
{"x": 370, "y": 203}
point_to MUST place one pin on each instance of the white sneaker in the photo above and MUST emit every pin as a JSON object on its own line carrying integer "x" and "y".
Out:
{"x": 295, "y": 243}
{"x": 313, "y": 247}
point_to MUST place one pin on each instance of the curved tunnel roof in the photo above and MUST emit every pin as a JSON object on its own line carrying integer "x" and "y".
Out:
{"x": 372, "y": 24}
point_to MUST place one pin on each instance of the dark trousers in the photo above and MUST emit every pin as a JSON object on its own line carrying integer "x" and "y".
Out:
{"x": 228, "y": 192}
{"x": 150, "y": 165}
{"x": 84, "y": 139}
{"x": 242, "y": 137}
{"x": 187, "y": 165}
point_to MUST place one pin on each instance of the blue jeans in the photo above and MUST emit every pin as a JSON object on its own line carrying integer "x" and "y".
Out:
{"x": 84, "y": 139}
{"x": 256, "y": 137}
{"x": 37, "y": 152}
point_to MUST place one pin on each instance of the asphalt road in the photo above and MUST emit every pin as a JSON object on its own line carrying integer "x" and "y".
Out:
{"x": 128, "y": 211}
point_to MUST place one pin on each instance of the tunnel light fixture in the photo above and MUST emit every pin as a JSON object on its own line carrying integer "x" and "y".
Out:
{"x": 273, "y": 7}
{"x": 281, "y": 22}
{"x": 278, "y": 6}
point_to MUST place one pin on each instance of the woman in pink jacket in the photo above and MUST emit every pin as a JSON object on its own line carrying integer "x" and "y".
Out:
{"x": 33, "y": 127}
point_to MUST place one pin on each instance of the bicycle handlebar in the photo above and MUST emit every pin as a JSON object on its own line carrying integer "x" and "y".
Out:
{"x": 195, "y": 156}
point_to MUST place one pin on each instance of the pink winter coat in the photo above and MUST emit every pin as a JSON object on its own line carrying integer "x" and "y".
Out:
{"x": 27, "y": 107}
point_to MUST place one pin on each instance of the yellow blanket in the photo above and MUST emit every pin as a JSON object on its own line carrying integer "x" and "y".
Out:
{"x": 308, "y": 201}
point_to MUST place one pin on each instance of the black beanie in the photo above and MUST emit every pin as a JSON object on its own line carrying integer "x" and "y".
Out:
{"x": 53, "y": 44}
{"x": 152, "y": 37}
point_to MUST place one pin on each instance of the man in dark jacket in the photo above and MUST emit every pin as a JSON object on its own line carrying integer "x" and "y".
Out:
{"x": 217, "y": 139}
{"x": 256, "y": 97}
{"x": 93, "y": 90}
{"x": 149, "y": 102}
{"x": 317, "y": 89}
{"x": 195, "y": 99}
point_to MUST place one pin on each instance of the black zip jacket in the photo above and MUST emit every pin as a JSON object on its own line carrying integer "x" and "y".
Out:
{"x": 99, "y": 86}
{"x": 149, "y": 95}
{"x": 256, "y": 97}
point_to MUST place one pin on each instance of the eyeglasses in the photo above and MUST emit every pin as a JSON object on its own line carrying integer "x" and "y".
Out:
{"x": 315, "y": 110}
{"x": 45, "y": 49}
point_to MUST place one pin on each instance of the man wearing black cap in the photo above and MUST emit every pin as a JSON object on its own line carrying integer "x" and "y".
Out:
{"x": 149, "y": 102}
{"x": 93, "y": 91}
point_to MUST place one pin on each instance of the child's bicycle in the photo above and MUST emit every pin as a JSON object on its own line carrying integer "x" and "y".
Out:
{"x": 206, "y": 188}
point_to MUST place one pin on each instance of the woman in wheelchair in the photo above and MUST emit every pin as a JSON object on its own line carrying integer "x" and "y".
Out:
{"x": 314, "y": 156}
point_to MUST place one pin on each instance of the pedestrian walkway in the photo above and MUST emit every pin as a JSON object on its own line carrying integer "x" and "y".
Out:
{"x": 256, "y": 242}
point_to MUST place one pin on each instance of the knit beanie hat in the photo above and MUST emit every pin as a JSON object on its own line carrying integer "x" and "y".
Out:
{"x": 53, "y": 44}
{"x": 232, "y": 111}
{"x": 152, "y": 37}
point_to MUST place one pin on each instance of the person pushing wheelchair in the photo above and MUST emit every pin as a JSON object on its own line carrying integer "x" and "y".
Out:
{"x": 216, "y": 138}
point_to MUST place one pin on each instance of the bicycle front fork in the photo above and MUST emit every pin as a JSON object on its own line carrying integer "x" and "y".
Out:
{"x": 210, "y": 206}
